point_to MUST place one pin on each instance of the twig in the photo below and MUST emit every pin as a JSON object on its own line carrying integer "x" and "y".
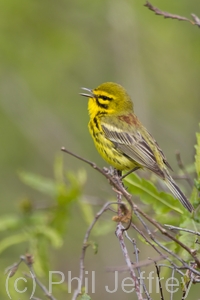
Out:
{"x": 182, "y": 167}
{"x": 119, "y": 234}
{"x": 186, "y": 266}
{"x": 156, "y": 241}
{"x": 172, "y": 268}
{"x": 173, "y": 265}
{"x": 171, "y": 295}
{"x": 93, "y": 165}
{"x": 136, "y": 252}
{"x": 196, "y": 20}
{"x": 135, "y": 208}
{"x": 28, "y": 260}
{"x": 159, "y": 281}
{"x": 191, "y": 278}
{"x": 143, "y": 263}
{"x": 164, "y": 232}
{"x": 119, "y": 200}
{"x": 171, "y": 227}
{"x": 112, "y": 179}
{"x": 77, "y": 292}
{"x": 180, "y": 177}
{"x": 119, "y": 188}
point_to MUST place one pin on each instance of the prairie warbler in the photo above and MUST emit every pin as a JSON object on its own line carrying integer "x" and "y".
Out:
{"x": 121, "y": 139}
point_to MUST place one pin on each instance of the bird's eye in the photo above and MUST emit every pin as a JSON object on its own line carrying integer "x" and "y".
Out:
{"x": 105, "y": 98}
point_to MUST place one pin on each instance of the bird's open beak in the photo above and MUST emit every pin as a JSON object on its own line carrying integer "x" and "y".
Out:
{"x": 90, "y": 94}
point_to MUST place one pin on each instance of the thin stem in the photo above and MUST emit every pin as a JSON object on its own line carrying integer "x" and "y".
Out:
{"x": 28, "y": 261}
{"x": 136, "y": 251}
{"x": 159, "y": 281}
{"x": 182, "y": 167}
{"x": 119, "y": 188}
{"x": 171, "y": 227}
{"x": 119, "y": 234}
{"x": 77, "y": 292}
{"x": 196, "y": 20}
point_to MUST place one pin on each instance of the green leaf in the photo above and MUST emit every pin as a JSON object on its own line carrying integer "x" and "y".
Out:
{"x": 66, "y": 194}
{"x": 161, "y": 202}
{"x": 39, "y": 262}
{"x": 197, "y": 184}
{"x": 95, "y": 247}
{"x": 77, "y": 179}
{"x": 42, "y": 254}
{"x": 51, "y": 234}
{"x": 87, "y": 211}
{"x": 194, "y": 198}
{"x": 12, "y": 222}
{"x": 13, "y": 240}
{"x": 85, "y": 297}
{"x": 40, "y": 183}
{"x": 9, "y": 222}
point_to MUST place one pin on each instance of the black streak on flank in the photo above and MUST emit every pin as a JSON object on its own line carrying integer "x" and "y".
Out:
{"x": 96, "y": 123}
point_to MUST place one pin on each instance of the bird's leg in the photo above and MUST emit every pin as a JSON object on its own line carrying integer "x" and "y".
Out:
{"x": 129, "y": 172}
{"x": 124, "y": 214}
{"x": 119, "y": 173}
{"x": 118, "y": 176}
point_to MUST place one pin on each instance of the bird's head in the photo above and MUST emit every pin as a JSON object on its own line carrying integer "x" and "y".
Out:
{"x": 108, "y": 98}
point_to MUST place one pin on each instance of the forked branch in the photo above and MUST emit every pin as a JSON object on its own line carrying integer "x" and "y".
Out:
{"x": 148, "y": 234}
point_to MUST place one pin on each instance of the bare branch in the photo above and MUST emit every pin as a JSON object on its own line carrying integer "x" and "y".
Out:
{"x": 143, "y": 263}
{"x": 164, "y": 232}
{"x": 119, "y": 234}
{"x": 196, "y": 20}
{"x": 136, "y": 252}
{"x": 171, "y": 227}
{"x": 159, "y": 281}
{"x": 28, "y": 260}
{"x": 77, "y": 292}
{"x": 182, "y": 167}
{"x": 166, "y": 15}
{"x": 171, "y": 256}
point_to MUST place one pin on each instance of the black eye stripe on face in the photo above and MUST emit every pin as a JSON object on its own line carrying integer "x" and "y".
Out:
{"x": 105, "y": 98}
{"x": 105, "y": 106}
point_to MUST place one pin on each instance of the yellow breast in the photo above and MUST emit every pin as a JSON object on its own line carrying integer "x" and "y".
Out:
{"x": 107, "y": 149}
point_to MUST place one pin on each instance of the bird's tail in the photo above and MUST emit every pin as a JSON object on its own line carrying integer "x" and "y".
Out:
{"x": 178, "y": 194}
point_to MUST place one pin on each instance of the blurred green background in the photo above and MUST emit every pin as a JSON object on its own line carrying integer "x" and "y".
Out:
{"x": 48, "y": 50}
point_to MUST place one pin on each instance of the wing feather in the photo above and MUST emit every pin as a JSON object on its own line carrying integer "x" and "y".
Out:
{"x": 134, "y": 145}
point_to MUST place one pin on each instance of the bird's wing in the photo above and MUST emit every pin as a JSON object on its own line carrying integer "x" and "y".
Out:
{"x": 134, "y": 145}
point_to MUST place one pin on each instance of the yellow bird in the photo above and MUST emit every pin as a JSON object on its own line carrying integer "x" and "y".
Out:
{"x": 122, "y": 140}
